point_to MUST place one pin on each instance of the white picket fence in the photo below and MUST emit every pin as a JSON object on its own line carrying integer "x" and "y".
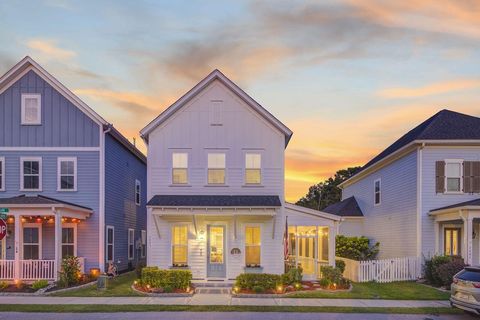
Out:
{"x": 386, "y": 270}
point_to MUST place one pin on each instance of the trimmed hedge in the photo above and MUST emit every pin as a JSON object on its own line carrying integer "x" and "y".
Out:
{"x": 439, "y": 270}
{"x": 161, "y": 278}
{"x": 251, "y": 281}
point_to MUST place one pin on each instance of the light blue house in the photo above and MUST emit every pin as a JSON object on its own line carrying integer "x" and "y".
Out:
{"x": 421, "y": 195}
{"x": 72, "y": 184}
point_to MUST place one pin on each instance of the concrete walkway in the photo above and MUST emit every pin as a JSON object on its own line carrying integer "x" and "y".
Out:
{"x": 225, "y": 299}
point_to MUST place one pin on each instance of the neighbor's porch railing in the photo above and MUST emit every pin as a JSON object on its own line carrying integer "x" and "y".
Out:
{"x": 7, "y": 269}
{"x": 37, "y": 269}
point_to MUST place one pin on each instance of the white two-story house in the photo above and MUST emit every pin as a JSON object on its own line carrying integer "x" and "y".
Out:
{"x": 421, "y": 195}
{"x": 216, "y": 189}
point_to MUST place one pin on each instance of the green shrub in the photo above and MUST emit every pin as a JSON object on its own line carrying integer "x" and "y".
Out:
{"x": 160, "y": 278}
{"x": 70, "y": 274}
{"x": 139, "y": 267}
{"x": 292, "y": 276}
{"x": 167, "y": 289}
{"x": 447, "y": 270}
{"x": 355, "y": 248}
{"x": 265, "y": 280}
{"x": 258, "y": 289}
{"x": 39, "y": 284}
{"x": 3, "y": 285}
{"x": 324, "y": 282}
{"x": 334, "y": 276}
{"x": 431, "y": 269}
{"x": 340, "y": 264}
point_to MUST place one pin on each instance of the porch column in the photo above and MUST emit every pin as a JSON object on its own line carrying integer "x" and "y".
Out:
{"x": 436, "y": 233}
{"x": 17, "y": 247}
{"x": 332, "y": 233}
{"x": 58, "y": 241}
{"x": 469, "y": 231}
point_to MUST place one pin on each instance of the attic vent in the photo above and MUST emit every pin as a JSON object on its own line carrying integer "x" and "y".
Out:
{"x": 216, "y": 113}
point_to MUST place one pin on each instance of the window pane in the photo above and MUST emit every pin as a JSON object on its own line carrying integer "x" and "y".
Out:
{"x": 377, "y": 186}
{"x": 179, "y": 255}
{"x": 30, "y": 252}
{"x": 67, "y": 235}
{"x": 1, "y": 167}
{"x": 216, "y": 244}
{"x": 67, "y": 182}
{"x": 179, "y": 176}
{"x": 216, "y": 160}
{"x": 179, "y": 235}
{"x": 30, "y": 235}
{"x": 252, "y": 235}
{"x": 110, "y": 252}
{"x": 67, "y": 250}
{"x": 377, "y": 197}
{"x": 253, "y": 161}
{"x": 252, "y": 255}
{"x": 180, "y": 160}
{"x": 110, "y": 235}
{"x": 323, "y": 245}
{"x": 453, "y": 169}
{"x": 252, "y": 176}
{"x": 448, "y": 241}
{"x": 453, "y": 184}
{"x": 27, "y": 167}
{"x": 216, "y": 176}
{"x": 455, "y": 250}
{"x": 67, "y": 167}
{"x": 31, "y": 110}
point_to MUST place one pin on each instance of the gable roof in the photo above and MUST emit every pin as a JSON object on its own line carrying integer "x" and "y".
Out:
{"x": 293, "y": 208}
{"x": 475, "y": 202}
{"x": 39, "y": 200}
{"x": 445, "y": 125}
{"x": 27, "y": 64}
{"x": 216, "y": 75}
{"x": 214, "y": 201}
{"x": 346, "y": 208}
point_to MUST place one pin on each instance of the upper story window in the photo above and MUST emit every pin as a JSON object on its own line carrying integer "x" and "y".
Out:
{"x": 377, "y": 192}
{"x": 453, "y": 175}
{"x": 180, "y": 168}
{"x": 216, "y": 168}
{"x": 31, "y": 174}
{"x": 138, "y": 187}
{"x": 31, "y": 109}
{"x": 253, "y": 174}
{"x": 67, "y": 174}
{"x": 2, "y": 174}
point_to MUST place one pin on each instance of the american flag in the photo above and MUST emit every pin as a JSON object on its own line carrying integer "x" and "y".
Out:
{"x": 285, "y": 240}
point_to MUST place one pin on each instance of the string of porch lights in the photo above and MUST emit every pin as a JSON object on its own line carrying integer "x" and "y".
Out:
{"x": 40, "y": 219}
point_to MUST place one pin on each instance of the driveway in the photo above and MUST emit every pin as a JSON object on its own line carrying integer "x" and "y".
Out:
{"x": 223, "y": 316}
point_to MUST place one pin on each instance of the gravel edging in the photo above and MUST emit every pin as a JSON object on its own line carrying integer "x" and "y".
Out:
{"x": 69, "y": 289}
{"x": 171, "y": 295}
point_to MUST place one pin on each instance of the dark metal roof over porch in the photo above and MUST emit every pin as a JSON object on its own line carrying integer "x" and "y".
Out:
{"x": 214, "y": 201}
{"x": 346, "y": 208}
{"x": 39, "y": 200}
{"x": 475, "y": 202}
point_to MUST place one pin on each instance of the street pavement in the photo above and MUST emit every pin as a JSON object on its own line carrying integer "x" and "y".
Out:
{"x": 223, "y": 316}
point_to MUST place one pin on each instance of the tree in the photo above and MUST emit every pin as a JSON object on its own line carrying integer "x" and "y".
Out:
{"x": 328, "y": 191}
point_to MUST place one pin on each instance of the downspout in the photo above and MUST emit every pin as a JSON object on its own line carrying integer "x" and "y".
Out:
{"x": 419, "y": 198}
{"x": 101, "y": 222}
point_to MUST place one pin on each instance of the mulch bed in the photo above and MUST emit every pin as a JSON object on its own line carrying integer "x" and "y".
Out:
{"x": 159, "y": 292}
{"x": 305, "y": 286}
{"x": 18, "y": 289}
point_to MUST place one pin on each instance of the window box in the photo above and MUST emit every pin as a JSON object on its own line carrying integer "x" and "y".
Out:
{"x": 253, "y": 269}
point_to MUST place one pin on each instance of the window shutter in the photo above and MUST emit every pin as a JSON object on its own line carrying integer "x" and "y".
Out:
{"x": 476, "y": 176}
{"x": 440, "y": 176}
{"x": 468, "y": 176}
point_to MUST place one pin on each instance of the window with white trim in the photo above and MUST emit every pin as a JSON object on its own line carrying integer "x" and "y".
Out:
{"x": 179, "y": 168}
{"x": 453, "y": 175}
{"x": 31, "y": 242}
{"x": 68, "y": 241}
{"x": 252, "y": 246}
{"x": 131, "y": 244}
{"x": 31, "y": 109}
{"x": 31, "y": 174}
{"x": 2, "y": 174}
{"x": 377, "y": 192}
{"x": 253, "y": 162}
{"x": 67, "y": 174}
{"x": 179, "y": 245}
{"x": 110, "y": 252}
{"x": 143, "y": 243}
{"x": 138, "y": 187}
{"x": 216, "y": 168}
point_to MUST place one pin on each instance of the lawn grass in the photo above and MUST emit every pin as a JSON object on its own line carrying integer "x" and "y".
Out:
{"x": 161, "y": 308}
{"x": 389, "y": 291}
{"x": 117, "y": 287}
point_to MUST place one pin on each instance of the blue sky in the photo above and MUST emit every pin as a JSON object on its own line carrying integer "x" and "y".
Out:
{"x": 348, "y": 77}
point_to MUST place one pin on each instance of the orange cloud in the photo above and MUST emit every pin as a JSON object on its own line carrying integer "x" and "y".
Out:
{"x": 431, "y": 89}
{"x": 47, "y": 49}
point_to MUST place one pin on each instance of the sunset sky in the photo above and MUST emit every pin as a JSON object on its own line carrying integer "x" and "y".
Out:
{"x": 348, "y": 77}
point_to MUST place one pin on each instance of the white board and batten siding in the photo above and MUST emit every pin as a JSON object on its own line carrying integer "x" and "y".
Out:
{"x": 217, "y": 120}
{"x": 393, "y": 221}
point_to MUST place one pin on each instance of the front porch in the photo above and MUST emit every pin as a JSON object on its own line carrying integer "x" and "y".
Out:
{"x": 40, "y": 232}
{"x": 457, "y": 230}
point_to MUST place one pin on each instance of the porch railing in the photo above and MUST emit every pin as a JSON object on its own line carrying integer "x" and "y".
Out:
{"x": 37, "y": 269}
{"x": 7, "y": 269}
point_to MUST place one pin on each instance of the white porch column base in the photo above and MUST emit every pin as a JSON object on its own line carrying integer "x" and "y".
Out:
{"x": 58, "y": 237}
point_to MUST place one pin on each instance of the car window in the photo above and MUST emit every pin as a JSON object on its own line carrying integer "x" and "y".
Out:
{"x": 469, "y": 275}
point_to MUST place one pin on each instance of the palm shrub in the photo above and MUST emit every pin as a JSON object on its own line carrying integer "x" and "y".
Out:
{"x": 356, "y": 248}
{"x": 294, "y": 275}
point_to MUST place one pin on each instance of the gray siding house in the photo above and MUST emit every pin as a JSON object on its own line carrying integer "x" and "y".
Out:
{"x": 72, "y": 184}
{"x": 421, "y": 195}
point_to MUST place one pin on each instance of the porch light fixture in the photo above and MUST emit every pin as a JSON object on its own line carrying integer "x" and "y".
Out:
{"x": 10, "y": 220}
{"x": 24, "y": 220}
{"x": 201, "y": 235}
{"x": 280, "y": 289}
